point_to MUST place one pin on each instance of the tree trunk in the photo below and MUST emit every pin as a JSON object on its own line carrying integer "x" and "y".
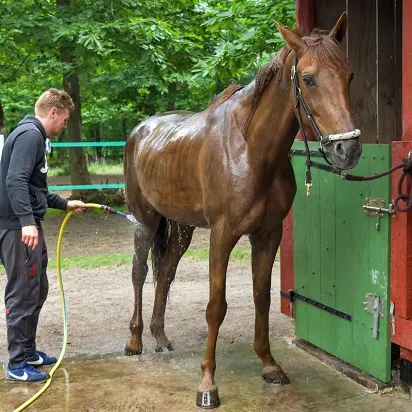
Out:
{"x": 62, "y": 151}
{"x": 98, "y": 138}
{"x": 219, "y": 87}
{"x": 124, "y": 129}
{"x": 151, "y": 101}
{"x": 172, "y": 88}
{"x": 78, "y": 165}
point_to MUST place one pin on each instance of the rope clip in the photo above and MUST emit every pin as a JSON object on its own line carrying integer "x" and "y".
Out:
{"x": 308, "y": 186}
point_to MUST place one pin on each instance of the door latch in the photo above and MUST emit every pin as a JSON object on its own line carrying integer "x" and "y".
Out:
{"x": 374, "y": 206}
{"x": 374, "y": 306}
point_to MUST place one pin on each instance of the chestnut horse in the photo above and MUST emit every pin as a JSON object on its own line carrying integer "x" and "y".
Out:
{"x": 228, "y": 169}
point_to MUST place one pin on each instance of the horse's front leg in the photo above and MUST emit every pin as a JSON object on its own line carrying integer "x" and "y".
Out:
{"x": 264, "y": 248}
{"x": 222, "y": 241}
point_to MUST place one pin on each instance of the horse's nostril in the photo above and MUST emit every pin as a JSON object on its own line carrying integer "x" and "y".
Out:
{"x": 340, "y": 149}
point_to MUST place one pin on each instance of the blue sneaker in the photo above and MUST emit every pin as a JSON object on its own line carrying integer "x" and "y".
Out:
{"x": 25, "y": 373}
{"x": 41, "y": 359}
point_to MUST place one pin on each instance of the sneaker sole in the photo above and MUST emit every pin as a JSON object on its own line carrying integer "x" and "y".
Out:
{"x": 12, "y": 380}
{"x": 41, "y": 366}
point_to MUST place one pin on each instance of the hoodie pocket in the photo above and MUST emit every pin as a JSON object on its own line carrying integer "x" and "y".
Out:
{"x": 33, "y": 197}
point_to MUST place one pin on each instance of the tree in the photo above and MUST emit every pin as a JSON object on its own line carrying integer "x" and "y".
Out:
{"x": 131, "y": 58}
{"x": 78, "y": 165}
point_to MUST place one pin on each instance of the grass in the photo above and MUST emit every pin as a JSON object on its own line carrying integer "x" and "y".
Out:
{"x": 93, "y": 168}
{"x": 239, "y": 255}
{"x": 54, "y": 212}
{"x": 105, "y": 168}
{"x": 90, "y": 262}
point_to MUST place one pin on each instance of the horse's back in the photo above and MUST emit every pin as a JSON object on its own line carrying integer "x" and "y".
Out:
{"x": 162, "y": 158}
{"x": 164, "y": 120}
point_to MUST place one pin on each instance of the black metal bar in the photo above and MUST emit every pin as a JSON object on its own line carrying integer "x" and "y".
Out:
{"x": 292, "y": 295}
{"x": 301, "y": 152}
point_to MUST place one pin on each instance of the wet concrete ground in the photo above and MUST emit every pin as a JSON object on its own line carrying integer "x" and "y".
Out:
{"x": 168, "y": 382}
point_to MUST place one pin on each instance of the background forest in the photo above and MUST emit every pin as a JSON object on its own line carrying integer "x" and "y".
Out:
{"x": 124, "y": 60}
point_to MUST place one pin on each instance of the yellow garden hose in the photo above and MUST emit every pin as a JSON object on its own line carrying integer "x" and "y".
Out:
{"x": 63, "y": 300}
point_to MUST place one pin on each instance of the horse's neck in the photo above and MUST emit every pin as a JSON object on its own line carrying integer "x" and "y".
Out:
{"x": 274, "y": 125}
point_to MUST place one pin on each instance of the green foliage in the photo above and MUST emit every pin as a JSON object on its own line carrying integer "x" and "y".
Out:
{"x": 133, "y": 58}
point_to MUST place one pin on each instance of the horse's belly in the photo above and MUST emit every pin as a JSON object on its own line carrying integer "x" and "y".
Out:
{"x": 178, "y": 199}
{"x": 190, "y": 216}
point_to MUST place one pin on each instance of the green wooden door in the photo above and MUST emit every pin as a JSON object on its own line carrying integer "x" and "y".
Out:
{"x": 339, "y": 257}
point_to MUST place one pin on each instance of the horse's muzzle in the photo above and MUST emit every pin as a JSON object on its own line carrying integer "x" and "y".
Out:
{"x": 344, "y": 154}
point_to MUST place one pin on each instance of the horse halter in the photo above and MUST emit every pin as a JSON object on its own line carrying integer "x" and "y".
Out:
{"x": 323, "y": 140}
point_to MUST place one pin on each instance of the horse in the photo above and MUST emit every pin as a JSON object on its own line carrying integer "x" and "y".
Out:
{"x": 228, "y": 168}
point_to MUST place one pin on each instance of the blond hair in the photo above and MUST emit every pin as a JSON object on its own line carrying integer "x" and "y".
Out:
{"x": 53, "y": 98}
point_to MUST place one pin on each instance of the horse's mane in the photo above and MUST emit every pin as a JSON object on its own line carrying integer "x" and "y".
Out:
{"x": 222, "y": 97}
{"x": 323, "y": 49}
{"x": 263, "y": 77}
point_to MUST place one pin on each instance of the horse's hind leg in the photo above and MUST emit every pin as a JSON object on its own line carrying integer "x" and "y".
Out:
{"x": 143, "y": 239}
{"x": 165, "y": 270}
{"x": 264, "y": 248}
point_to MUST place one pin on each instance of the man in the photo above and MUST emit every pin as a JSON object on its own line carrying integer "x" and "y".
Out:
{"x": 24, "y": 199}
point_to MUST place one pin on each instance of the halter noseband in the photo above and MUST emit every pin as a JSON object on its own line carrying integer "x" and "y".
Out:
{"x": 323, "y": 140}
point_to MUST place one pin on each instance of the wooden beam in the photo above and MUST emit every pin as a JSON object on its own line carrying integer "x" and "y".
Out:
{"x": 327, "y": 14}
{"x": 305, "y": 16}
{"x": 403, "y": 333}
{"x": 305, "y": 21}
{"x": 388, "y": 112}
{"x": 407, "y": 71}
{"x": 361, "y": 40}
{"x": 401, "y": 245}
{"x": 287, "y": 271}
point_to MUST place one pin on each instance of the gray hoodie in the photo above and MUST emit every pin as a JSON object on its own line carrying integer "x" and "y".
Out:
{"x": 24, "y": 197}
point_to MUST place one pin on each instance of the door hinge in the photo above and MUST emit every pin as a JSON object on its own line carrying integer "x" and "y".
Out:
{"x": 392, "y": 315}
{"x": 292, "y": 296}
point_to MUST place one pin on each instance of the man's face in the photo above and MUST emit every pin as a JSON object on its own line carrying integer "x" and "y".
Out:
{"x": 58, "y": 121}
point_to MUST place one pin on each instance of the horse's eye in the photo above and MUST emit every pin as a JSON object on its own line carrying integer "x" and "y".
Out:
{"x": 309, "y": 80}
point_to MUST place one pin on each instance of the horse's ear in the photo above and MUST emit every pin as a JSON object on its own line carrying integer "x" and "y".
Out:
{"x": 339, "y": 31}
{"x": 292, "y": 40}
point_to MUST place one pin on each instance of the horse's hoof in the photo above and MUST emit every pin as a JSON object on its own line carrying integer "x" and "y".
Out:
{"x": 208, "y": 399}
{"x": 275, "y": 376}
{"x": 168, "y": 348}
{"x": 132, "y": 352}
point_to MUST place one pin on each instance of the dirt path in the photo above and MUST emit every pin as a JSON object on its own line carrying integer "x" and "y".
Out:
{"x": 95, "y": 234}
{"x": 100, "y": 301}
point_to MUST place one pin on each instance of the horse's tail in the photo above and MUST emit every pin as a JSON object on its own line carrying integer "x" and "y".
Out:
{"x": 159, "y": 245}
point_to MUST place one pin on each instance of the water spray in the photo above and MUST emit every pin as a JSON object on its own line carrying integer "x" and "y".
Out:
{"x": 112, "y": 210}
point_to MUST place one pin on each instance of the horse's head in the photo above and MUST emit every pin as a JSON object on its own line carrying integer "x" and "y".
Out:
{"x": 321, "y": 75}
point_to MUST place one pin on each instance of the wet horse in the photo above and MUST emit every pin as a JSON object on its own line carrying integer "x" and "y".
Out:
{"x": 228, "y": 169}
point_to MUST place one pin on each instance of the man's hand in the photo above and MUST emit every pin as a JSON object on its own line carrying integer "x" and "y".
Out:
{"x": 77, "y": 206}
{"x": 30, "y": 236}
